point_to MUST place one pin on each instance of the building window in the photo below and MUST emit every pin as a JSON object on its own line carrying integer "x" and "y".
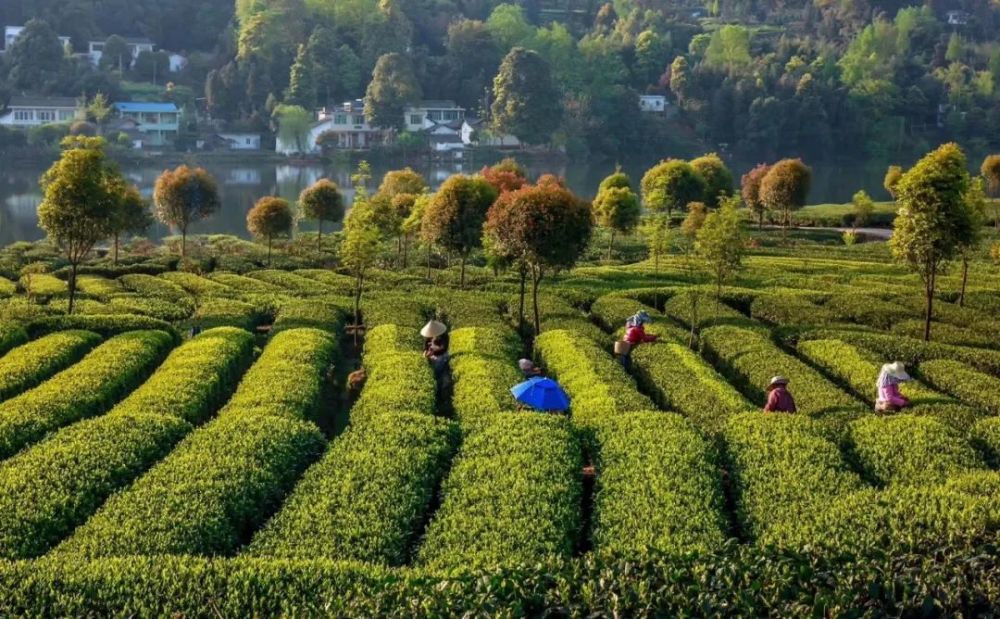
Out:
{"x": 359, "y": 119}
{"x": 65, "y": 115}
{"x": 340, "y": 119}
{"x": 434, "y": 115}
{"x": 451, "y": 115}
{"x": 46, "y": 116}
{"x": 23, "y": 115}
{"x": 415, "y": 119}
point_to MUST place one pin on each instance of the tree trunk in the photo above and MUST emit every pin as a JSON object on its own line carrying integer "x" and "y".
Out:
{"x": 760, "y": 222}
{"x": 536, "y": 278}
{"x": 406, "y": 251}
{"x": 115, "y": 255}
{"x": 929, "y": 313}
{"x": 72, "y": 287}
{"x": 319, "y": 237}
{"x": 461, "y": 279}
{"x": 520, "y": 307}
{"x": 428, "y": 263}
{"x": 694, "y": 320}
{"x": 611, "y": 244}
{"x": 184, "y": 234}
{"x": 358, "y": 287}
{"x": 268, "y": 252}
{"x": 965, "y": 280}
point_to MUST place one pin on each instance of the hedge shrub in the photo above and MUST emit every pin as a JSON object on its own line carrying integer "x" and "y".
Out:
{"x": 709, "y": 311}
{"x": 98, "y": 287}
{"x": 291, "y": 282}
{"x": 907, "y": 449}
{"x": 858, "y": 373}
{"x": 11, "y": 336}
{"x": 658, "y": 487}
{"x": 151, "y": 286}
{"x": 397, "y": 381}
{"x": 223, "y": 481}
{"x": 86, "y": 389}
{"x": 394, "y": 308}
{"x": 790, "y": 310}
{"x": 43, "y": 285}
{"x": 749, "y": 359}
{"x": 868, "y": 310}
{"x": 28, "y": 365}
{"x": 197, "y": 285}
{"x": 155, "y": 307}
{"x": 513, "y": 495}
{"x": 947, "y": 334}
{"x": 212, "y": 313}
{"x": 7, "y": 287}
{"x": 312, "y": 313}
{"x": 366, "y": 499}
{"x": 244, "y": 284}
{"x": 985, "y": 436}
{"x": 680, "y": 380}
{"x": 106, "y": 326}
{"x": 483, "y": 369}
{"x": 965, "y": 383}
{"x": 339, "y": 284}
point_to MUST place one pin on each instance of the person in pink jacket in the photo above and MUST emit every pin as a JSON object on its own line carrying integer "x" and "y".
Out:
{"x": 635, "y": 334}
{"x": 889, "y": 398}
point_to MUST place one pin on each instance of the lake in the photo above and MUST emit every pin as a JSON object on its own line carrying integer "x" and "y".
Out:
{"x": 241, "y": 184}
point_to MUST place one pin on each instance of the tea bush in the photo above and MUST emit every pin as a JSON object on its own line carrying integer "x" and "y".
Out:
{"x": 965, "y": 383}
{"x": 868, "y": 310}
{"x": 11, "y": 336}
{"x": 790, "y": 310}
{"x": 43, "y": 285}
{"x": 212, "y": 313}
{"x": 708, "y": 310}
{"x": 86, "y": 389}
{"x": 98, "y": 287}
{"x": 244, "y": 284}
{"x": 946, "y": 334}
{"x": 106, "y": 326}
{"x": 291, "y": 282}
{"x": 325, "y": 315}
{"x": 34, "y": 362}
{"x": 197, "y": 285}
{"x": 152, "y": 306}
{"x": 366, "y": 498}
{"x": 150, "y": 286}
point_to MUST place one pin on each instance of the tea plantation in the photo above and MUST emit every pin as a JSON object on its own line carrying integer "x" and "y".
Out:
{"x": 148, "y": 471}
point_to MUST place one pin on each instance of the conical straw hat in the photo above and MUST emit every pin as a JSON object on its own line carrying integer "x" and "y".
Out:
{"x": 433, "y": 329}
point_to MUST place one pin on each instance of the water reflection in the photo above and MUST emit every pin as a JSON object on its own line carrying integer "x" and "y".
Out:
{"x": 242, "y": 183}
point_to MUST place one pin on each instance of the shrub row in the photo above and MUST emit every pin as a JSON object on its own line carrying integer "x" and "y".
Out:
{"x": 790, "y": 310}
{"x": 196, "y": 284}
{"x": 366, "y": 499}
{"x": 513, "y": 495}
{"x": 909, "y": 450}
{"x": 11, "y": 336}
{"x": 7, "y": 287}
{"x": 705, "y": 311}
{"x": 986, "y": 301}
{"x": 213, "y": 312}
{"x": 985, "y": 436}
{"x": 854, "y": 369}
{"x": 599, "y": 386}
{"x": 86, "y": 389}
{"x": 963, "y": 382}
{"x": 868, "y": 310}
{"x": 397, "y": 381}
{"x": 52, "y": 487}
{"x": 483, "y": 371}
{"x": 681, "y": 380}
{"x": 154, "y": 307}
{"x": 324, "y": 315}
{"x": 556, "y": 313}
{"x": 749, "y": 359}
{"x": 336, "y": 283}
{"x": 290, "y": 282}
{"x": 944, "y": 312}
{"x": 225, "y": 479}
{"x": 612, "y": 310}
{"x": 470, "y": 309}
{"x": 28, "y": 365}
{"x": 106, "y": 326}
{"x": 394, "y": 308}
{"x": 947, "y": 334}
{"x": 909, "y": 350}
{"x": 151, "y": 286}
{"x": 244, "y": 284}
{"x": 98, "y": 287}
{"x": 657, "y": 488}
{"x": 43, "y": 285}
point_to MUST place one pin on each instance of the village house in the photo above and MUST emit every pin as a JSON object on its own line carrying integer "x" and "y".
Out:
{"x": 653, "y": 103}
{"x": 477, "y": 132}
{"x": 159, "y": 123}
{"x": 24, "y": 112}
{"x": 136, "y": 46}
{"x": 10, "y": 34}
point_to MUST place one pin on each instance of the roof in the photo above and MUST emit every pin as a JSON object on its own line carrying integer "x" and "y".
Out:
{"x": 449, "y": 138}
{"x": 23, "y": 101}
{"x": 129, "y": 106}
{"x": 438, "y": 104}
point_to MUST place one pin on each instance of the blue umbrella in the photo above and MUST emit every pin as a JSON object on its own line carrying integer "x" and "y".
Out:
{"x": 542, "y": 393}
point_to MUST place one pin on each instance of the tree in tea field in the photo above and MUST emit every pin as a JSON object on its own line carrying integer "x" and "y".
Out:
{"x": 413, "y": 223}
{"x": 785, "y": 188}
{"x": 394, "y": 85}
{"x": 360, "y": 247}
{"x": 718, "y": 178}
{"x": 393, "y": 201}
{"x": 322, "y": 201}
{"x": 526, "y": 102}
{"x": 934, "y": 219}
{"x": 695, "y": 219}
{"x": 454, "y": 218}
{"x": 990, "y": 170}
{"x": 671, "y": 185}
{"x": 975, "y": 202}
{"x": 270, "y": 217}
{"x": 720, "y": 242}
{"x": 544, "y": 228}
{"x": 130, "y": 215}
{"x": 81, "y": 192}
{"x": 618, "y": 210}
{"x": 507, "y": 175}
{"x": 863, "y": 207}
{"x": 750, "y": 191}
{"x": 617, "y": 179}
{"x": 184, "y": 196}
{"x": 892, "y": 176}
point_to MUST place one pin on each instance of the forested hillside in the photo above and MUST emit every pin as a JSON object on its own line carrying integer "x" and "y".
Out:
{"x": 762, "y": 79}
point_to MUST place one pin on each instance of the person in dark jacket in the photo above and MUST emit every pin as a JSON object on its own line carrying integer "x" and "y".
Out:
{"x": 779, "y": 399}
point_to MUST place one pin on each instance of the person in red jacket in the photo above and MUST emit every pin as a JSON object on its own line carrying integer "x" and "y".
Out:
{"x": 779, "y": 399}
{"x": 635, "y": 334}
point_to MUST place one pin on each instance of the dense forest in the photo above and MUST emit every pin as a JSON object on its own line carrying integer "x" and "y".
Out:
{"x": 762, "y": 79}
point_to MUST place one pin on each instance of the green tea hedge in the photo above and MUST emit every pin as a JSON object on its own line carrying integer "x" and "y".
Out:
{"x": 339, "y": 284}
{"x": 704, "y": 310}
{"x": 98, "y": 287}
{"x": 244, "y": 284}
{"x": 947, "y": 334}
{"x": 197, "y": 285}
{"x": 366, "y": 499}
{"x": 483, "y": 369}
{"x": 868, "y": 310}
{"x": 86, "y": 389}
{"x": 212, "y": 313}
{"x": 28, "y": 365}
{"x": 291, "y": 282}
{"x": 985, "y": 436}
{"x": 790, "y": 310}
{"x": 513, "y": 494}
{"x": 965, "y": 383}
{"x": 658, "y": 487}
{"x": 311, "y": 313}
{"x": 11, "y": 336}
{"x": 908, "y": 449}
{"x": 154, "y": 307}
{"x": 151, "y": 286}
{"x": 106, "y": 326}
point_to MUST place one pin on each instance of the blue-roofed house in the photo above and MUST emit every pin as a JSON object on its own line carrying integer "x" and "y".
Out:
{"x": 159, "y": 122}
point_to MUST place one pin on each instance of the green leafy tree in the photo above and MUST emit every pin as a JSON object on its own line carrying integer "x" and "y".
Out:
{"x": 393, "y": 86}
{"x": 130, "y": 216}
{"x": 509, "y": 27}
{"x": 694, "y": 220}
{"x": 934, "y": 220}
{"x": 892, "y": 176}
{"x": 616, "y": 179}
{"x": 729, "y": 48}
{"x": 525, "y": 101}
{"x": 36, "y": 57}
{"x": 294, "y": 124}
{"x": 785, "y": 188}
{"x": 975, "y": 204}
{"x": 750, "y": 191}
{"x": 718, "y": 178}
{"x": 990, "y": 171}
{"x": 301, "y": 85}
{"x": 152, "y": 66}
{"x": 270, "y": 217}
{"x": 322, "y": 201}
{"x": 863, "y": 208}
{"x": 184, "y": 196}
{"x": 650, "y": 51}
{"x": 669, "y": 186}
{"x": 116, "y": 54}
{"x": 680, "y": 80}
{"x": 544, "y": 228}
{"x": 80, "y": 195}
{"x": 99, "y": 109}
{"x": 360, "y": 247}
{"x": 412, "y": 226}
{"x": 473, "y": 57}
{"x": 618, "y": 210}
{"x": 720, "y": 242}
{"x": 454, "y": 218}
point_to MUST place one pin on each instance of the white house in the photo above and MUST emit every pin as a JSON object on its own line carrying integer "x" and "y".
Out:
{"x": 10, "y": 34}
{"x": 177, "y": 63}
{"x": 135, "y": 45}
{"x": 958, "y": 18}
{"x": 430, "y": 113}
{"x": 242, "y": 141}
{"x": 475, "y": 132}
{"x": 24, "y": 112}
{"x": 343, "y": 126}
{"x": 158, "y": 122}
{"x": 653, "y": 103}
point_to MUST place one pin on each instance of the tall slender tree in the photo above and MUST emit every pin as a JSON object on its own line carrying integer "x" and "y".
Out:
{"x": 454, "y": 218}
{"x": 322, "y": 201}
{"x": 270, "y": 217}
{"x": 750, "y": 190}
{"x": 184, "y": 196}
{"x": 525, "y": 100}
